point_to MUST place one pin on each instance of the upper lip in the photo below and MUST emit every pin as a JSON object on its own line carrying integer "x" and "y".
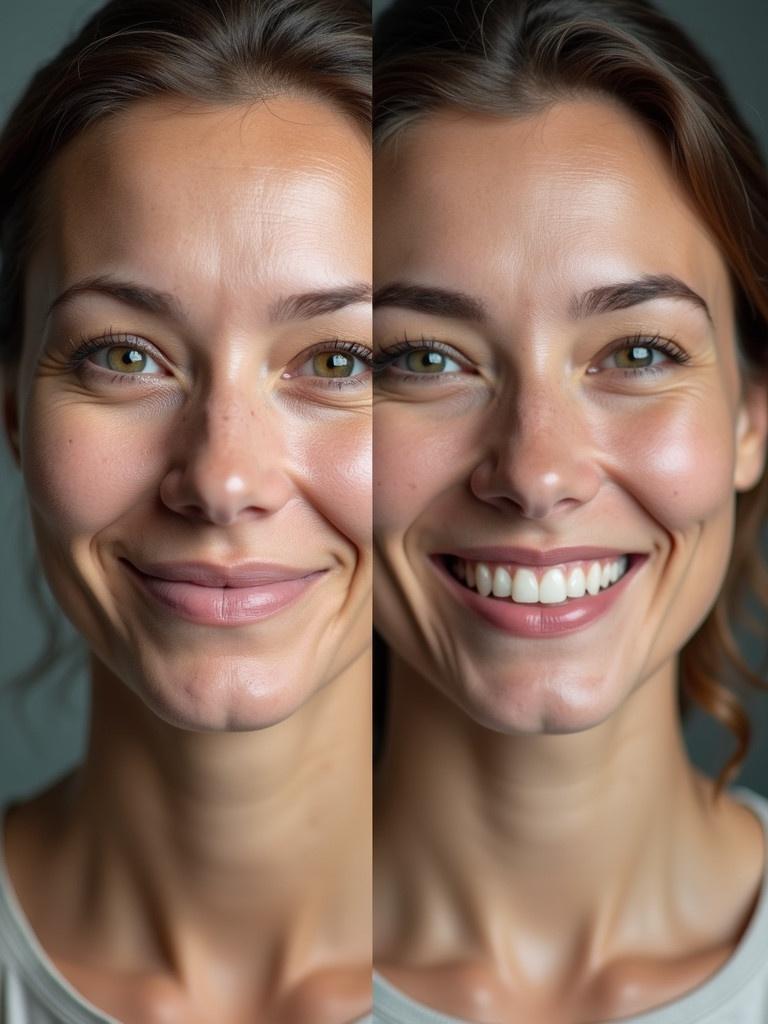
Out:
{"x": 532, "y": 556}
{"x": 207, "y": 574}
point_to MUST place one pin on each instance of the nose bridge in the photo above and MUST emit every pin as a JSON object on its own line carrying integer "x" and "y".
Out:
{"x": 540, "y": 455}
{"x": 543, "y": 415}
{"x": 230, "y": 455}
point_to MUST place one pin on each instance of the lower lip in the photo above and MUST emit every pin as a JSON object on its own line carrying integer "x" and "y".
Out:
{"x": 542, "y": 621}
{"x": 224, "y": 606}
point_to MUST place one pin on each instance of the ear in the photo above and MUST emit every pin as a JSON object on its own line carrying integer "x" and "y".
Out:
{"x": 751, "y": 433}
{"x": 11, "y": 414}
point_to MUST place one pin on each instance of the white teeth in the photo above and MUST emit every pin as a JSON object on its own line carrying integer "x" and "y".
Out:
{"x": 483, "y": 579}
{"x": 525, "y": 587}
{"x": 552, "y": 589}
{"x": 577, "y": 583}
{"x": 502, "y": 583}
{"x": 593, "y": 579}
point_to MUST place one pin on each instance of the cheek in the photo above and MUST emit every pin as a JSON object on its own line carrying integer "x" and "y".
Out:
{"x": 84, "y": 469}
{"x": 416, "y": 458}
{"x": 678, "y": 461}
{"x": 335, "y": 461}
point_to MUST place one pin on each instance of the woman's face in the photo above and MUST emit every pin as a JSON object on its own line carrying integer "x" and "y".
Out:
{"x": 560, "y": 418}
{"x": 214, "y": 262}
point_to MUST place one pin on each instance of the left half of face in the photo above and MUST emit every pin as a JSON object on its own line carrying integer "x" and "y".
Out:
{"x": 194, "y": 403}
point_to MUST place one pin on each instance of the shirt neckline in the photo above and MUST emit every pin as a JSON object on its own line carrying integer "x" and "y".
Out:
{"x": 22, "y": 947}
{"x": 727, "y": 981}
{"x": 32, "y": 962}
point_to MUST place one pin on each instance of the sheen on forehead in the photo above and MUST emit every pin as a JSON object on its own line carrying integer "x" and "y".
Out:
{"x": 536, "y": 208}
{"x": 202, "y": 200}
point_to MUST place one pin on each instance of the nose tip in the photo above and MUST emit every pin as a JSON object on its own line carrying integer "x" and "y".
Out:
{"x": 537, "y": 469}
{"x": 534, "y": 497}
{"x": 221, "y": 500}
{"x": 226, "y": 469}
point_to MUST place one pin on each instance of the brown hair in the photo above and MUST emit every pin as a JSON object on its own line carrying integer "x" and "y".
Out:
{"x": 515, "y": 57}
{"x": 228, "y": 51}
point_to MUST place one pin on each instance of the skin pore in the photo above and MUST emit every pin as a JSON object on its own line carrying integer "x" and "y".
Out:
{"x": 211, "y": 858}
{"x": 525, "y": 866}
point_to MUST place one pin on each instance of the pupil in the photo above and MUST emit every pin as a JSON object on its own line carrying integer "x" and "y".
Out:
{"x": 126, "y": 358}
{"x": 334, "y": 364}
{"x": 426, "y": 360}
{"x": 640, "y": 355}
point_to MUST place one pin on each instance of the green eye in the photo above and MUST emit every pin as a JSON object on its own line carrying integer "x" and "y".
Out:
{"x": 333, "y": 364}
{"x": 423, "y": 361}
{"x": 126, "y": 360}
{"x": 426, "y": 361}
{"x": 635, "y": 357}
{"x": 349, "y": 363}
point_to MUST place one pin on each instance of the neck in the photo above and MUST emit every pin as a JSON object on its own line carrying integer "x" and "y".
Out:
{"x": 198, "y": 836}
{"x": 557, "y": 837}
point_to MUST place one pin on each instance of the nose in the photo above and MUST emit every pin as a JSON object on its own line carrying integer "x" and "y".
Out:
{"x": 230, "y": 461}
{"x": 539, "y": 459}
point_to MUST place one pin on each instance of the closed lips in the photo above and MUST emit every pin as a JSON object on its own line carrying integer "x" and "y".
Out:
{"x": 539, "y": 585}
{"x": 204, "y": 574}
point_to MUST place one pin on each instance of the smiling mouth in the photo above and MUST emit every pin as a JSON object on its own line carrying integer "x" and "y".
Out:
{"x": 558, "y": 584}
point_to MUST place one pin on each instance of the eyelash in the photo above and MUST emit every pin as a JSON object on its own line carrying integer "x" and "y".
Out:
{"x": 77, "y": 359}
{"x": 353, "y": 348}
{"x": 388, "y": 356}
{"x": 110, "y": 339}
{"x": 654, "y": 342}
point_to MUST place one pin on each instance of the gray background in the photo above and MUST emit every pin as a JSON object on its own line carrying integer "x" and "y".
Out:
{"x": 42, "y": 717}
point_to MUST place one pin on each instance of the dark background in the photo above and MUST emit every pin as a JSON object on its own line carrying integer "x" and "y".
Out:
{"x": 41, "y": 722}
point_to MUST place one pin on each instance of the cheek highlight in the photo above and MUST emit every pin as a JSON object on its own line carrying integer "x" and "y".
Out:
{"x": 335, "y": 460}
{"x": 678, "y": 462}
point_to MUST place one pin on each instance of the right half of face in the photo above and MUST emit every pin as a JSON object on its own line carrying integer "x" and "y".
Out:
{"x": 195, "y": 404}
{"x": 560, "y": 429}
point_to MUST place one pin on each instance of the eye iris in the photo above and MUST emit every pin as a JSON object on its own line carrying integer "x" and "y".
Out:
{"x": 634, "y": 356}
{"x": 131, "y": 359}
{"x": 425, "y": 361}
{"x": 333, "y": 364}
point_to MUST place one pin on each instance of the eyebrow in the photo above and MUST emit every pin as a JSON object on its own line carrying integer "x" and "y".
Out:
{"x": 458, "y": 305}
{"x": 140, "y": 296}
{"x": 611, "y": 297}
{"x": 306, "y": 305}
{"x": 302, "y": 306}
{"x": 455, "y": 305}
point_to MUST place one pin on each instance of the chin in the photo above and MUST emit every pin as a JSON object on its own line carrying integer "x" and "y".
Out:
{"x": 237, "y": 695}
{"x": 531, "y": 705}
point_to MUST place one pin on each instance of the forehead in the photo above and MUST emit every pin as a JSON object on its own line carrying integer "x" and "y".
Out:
{"x": 200, "y": 200}
{"x": 530, "y": 208}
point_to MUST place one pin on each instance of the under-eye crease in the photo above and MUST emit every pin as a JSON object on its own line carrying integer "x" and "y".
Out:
{"x": 642, "y": 347}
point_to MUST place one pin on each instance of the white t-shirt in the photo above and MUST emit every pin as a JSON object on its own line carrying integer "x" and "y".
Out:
{"x": 737, "y": 993}
{"x": 32, "y": 991}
